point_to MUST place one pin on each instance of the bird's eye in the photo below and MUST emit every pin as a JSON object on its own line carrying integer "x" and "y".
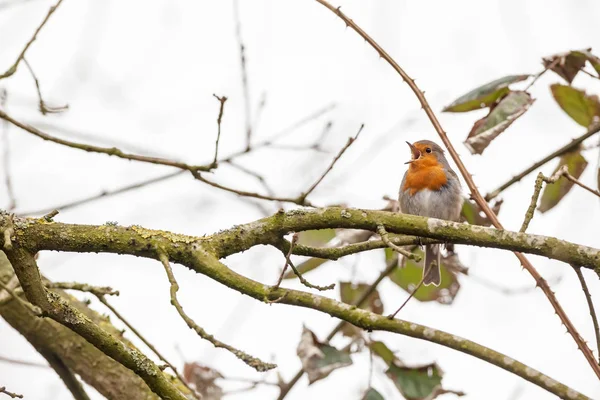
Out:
{"x": 428, "y": 150}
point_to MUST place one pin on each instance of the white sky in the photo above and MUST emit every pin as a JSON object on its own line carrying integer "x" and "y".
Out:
{"x": 141, "y": 74}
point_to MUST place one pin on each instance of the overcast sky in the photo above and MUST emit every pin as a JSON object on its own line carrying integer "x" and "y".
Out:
{"x": 141, "y": 75}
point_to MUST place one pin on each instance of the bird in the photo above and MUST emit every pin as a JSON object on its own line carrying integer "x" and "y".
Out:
{"x": 430, "y": 188}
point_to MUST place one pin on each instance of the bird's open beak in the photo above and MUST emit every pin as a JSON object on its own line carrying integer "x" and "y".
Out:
{"x": 415, "y": 153}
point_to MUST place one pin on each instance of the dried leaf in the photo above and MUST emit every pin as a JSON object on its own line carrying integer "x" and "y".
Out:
{"x": 554, "y": 192}
{"x": 203, "y": 380}
{"x": 416, "y": 383}
{"x": 372, "y": 394}
{"x": 350, "y": 293}
{"x": 484, "y": 96}
{"x": 584, "y": 109}
{"x": 316, "y": 238}
{"x": 305, "y": 267}
{"x": 319, "y": 359}
{"x": 567, "y": 64}
{"x": 410, "y": 275}
{"x": 511, "y": 107}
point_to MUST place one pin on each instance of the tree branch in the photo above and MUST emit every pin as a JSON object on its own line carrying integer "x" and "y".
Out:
{"x": 55, "y": 307}
{"x": 10, "y": 394}
{"x": 200, "y": 254}
{"x": 475, "y": 194}
{"x": 557, "y": 153}
{"x": 137, "y": 333}
{"x": 253, "y": 362}
{"x": 66, "y": 375}
{"x": 588, "y": 298}
{"x": 13, "y": 68}
{"x": 111, "y": 151}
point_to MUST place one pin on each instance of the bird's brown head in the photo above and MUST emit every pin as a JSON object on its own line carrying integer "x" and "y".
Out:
{"x": 425, "y": 153}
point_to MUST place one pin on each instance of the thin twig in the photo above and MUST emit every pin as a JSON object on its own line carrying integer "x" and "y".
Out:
{"x": 253, "y": 362}
{"x": 103, "y": 194}
{"x": 284, "y": 132}
{"x": 83, "y": 287}
{"x": 111, "y": 151}
{"x": 44, "y": 109}
{"x": 285, "y": 388}
{"x": 222, "y": 101}
{"x": 23, "y": 363}
{"x": 289, "y": 262}
{"x": 261, "y": 179}
{"x": 244, "y": 72}
{"x": 539, "y": 75}
{"x": 412, "y": 294}
{"x": 13, "y": 68}
{"x": 287, "y": 259}
{"x": 10, "y": 394}
{"x": 351, "y": 140}
{"x": 589, "y": 73}
{"x": 580, "y": 184}
{"x": 35, "y": 310}
{"x": 244, "y": 193}
{"x": 147, "y": 343}
{"x": 307, "y": 283}
{"x": 559, "y": 152}
{"x": 562, "y": 171}
{"x": 475, "y": 194}
{"x": 12, "y": 202}
{"x": 386, "y": 239}
{"x": 588, "y": 298}
{"x": 262, "y": 103}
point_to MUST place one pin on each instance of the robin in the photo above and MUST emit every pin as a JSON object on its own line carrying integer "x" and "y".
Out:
{"x": 430, "y": 188}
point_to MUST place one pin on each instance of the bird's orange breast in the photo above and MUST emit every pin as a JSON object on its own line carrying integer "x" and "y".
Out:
{"x": 424, "y": 174}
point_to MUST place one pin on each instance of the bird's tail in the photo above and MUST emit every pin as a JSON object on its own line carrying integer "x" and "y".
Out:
{"x": 431, "y": 265}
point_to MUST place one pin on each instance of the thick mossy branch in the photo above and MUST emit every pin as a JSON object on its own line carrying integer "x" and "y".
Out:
{"x": 263, "y": 231}
{"x": 58, "y": 309}
{"x": 200, "y": 254}
{"x": 37, "y": 234}
{"x": 48, "y": 337}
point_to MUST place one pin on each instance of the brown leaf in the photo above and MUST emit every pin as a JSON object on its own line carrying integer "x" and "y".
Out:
{"x": 500, "y": 117}
{"x": 554, "y": 192}
{"x": 566, "y": 65}
{"x": 203, "y": 380}
{"x": 319, "y": 359}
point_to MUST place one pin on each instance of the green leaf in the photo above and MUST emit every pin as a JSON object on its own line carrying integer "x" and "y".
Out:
{"x": 316, "y": 238}
{"x": 484, "y": 96}
{"x": 372, "y": 394}
{"x": 380, "y": 349}
{"x": 501, "y": 116}
{"x": 410, "y": 275}
{"x": 305, "y": 267}
{"x": 582, "y": 108}
{"x": 416, "y": 383}
{"x": 319, "y": 359}
{"x": 554, "y": 192}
